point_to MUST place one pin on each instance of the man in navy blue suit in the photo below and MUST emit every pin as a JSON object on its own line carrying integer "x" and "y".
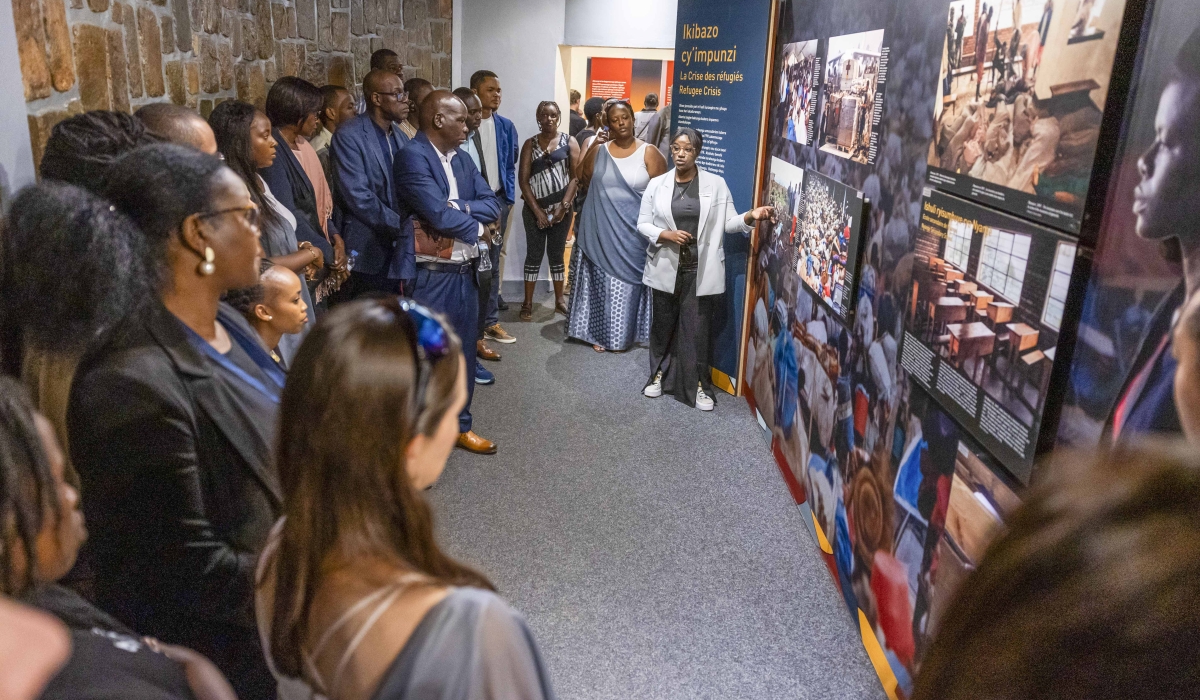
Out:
{"x": 366, "y": 210}
{"x": 498, "y": 149}
{"x": 453, "y": 209}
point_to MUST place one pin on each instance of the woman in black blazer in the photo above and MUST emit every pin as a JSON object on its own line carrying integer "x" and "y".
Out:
{"x": 172, "y": 420}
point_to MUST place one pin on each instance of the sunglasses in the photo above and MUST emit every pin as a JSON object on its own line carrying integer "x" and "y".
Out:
{"x": 432, "y": 344}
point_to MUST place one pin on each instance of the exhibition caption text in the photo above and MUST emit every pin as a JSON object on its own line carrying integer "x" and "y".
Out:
{"x": 695, "y": 57}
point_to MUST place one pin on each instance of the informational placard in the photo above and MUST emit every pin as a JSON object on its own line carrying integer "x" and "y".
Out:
{"x": 609, "y": 78}
{"x": 1022, "y": 92}
{"x": 981, "y": 330}
{"x": 628, "y": 79}
{"x": 719, "y": 85}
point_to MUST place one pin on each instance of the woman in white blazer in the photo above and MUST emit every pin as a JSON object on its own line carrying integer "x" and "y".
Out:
{"x": 686, "y": 213}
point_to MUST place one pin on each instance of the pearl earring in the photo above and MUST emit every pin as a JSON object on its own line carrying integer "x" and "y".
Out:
{"x": 207, "y": 267}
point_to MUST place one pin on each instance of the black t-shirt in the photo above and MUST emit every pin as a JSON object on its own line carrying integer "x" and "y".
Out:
{"x": 583, "y": 136}
{"x": 578, "y": 123}
{"x": 685, "y": 209}
{"x": 108, "y": 665}
{"x": 108, "y": 660}
{"x": 74, "y": 610}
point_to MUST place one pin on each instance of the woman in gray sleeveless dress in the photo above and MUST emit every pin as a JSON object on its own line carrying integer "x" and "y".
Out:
{"x": 610, "y": 307}
{"x": 355, "y": 599}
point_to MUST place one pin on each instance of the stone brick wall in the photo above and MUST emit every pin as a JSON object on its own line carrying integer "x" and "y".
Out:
{"x": 78, "y": 55}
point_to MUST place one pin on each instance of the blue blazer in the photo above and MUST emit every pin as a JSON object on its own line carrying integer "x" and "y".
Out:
{"x": 509, "y": 150}
{"x": 423, "y": 190}
{"x": 365, "y": 207}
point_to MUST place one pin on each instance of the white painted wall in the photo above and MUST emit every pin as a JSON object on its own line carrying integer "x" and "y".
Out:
{"x": 456, "y": 28}
{"x": 648, "y": 24}
{"x": 16, "y": 152}
{"x": 518, "y": 40}
{"x": 523, "y": 41}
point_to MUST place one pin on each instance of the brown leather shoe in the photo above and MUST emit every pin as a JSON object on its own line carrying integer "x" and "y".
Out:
{"x": 484, "y": 352}
{"x": 471, "y": 442}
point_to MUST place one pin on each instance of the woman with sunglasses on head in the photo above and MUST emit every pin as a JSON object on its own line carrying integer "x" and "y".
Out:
{"x": 547, "y": 178}
{"x": 172, "y": 418}
{"x": 244, "y": 139}
{"x": 686, "y": 213}
{"x": 356, "y": 600}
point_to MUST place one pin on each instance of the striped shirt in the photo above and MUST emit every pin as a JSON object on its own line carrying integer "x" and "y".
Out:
{"x": 550, "y": 171}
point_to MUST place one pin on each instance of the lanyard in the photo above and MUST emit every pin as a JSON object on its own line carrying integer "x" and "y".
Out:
{"x": 203, "y": 346}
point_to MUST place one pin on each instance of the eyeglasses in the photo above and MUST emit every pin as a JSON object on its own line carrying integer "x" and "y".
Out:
{"x": 682, "y": 149}
{"x": 432, "y": 344}
{"x": 399, "y": 94}
{"x": 250, "y": 214}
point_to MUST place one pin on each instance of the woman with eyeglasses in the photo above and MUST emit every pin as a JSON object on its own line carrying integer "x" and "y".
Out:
{"x": 356, "y": 600}
{"x": 172, "y": 418}
{"x": 244, "y": 138}
{"x": 686, "y": 214}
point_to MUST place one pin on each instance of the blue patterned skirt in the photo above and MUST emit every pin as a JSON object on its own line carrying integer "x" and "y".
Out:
{"x": 605, "y": 311}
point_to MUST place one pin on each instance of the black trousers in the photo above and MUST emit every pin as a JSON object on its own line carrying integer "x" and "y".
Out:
{"x": 679, "y": 340}
{"x": 362, "y": 285}
{"x": 484, "y": 280}
{"x": 542, "y": 241}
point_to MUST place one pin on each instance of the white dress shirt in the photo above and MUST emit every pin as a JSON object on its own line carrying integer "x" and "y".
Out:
{"x": 487, "y": 137}
{"x": 463, "y": 251}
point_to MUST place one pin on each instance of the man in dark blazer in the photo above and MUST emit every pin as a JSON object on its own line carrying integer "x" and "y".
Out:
{"x": 499, "y": 150}
{"x": 366, "y": 210}
{"x": 439, "y": 185}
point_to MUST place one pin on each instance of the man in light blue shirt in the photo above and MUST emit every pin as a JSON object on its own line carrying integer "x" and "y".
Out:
{"x": 473, "y": 145}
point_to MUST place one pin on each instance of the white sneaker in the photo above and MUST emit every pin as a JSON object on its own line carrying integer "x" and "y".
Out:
{"x": 653, "y": 390}
{"x": 704, "y": 402}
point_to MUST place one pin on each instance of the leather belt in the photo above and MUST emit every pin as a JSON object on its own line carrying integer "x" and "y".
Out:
{"x": 451, "y": 268}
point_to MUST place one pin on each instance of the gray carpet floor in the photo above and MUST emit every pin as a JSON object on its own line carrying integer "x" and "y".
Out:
{"x": 653, "y": 548}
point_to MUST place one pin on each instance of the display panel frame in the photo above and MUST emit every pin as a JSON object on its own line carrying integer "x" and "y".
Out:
{"x": 974, "y": 334}
{"x": 1031, "y": 136}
